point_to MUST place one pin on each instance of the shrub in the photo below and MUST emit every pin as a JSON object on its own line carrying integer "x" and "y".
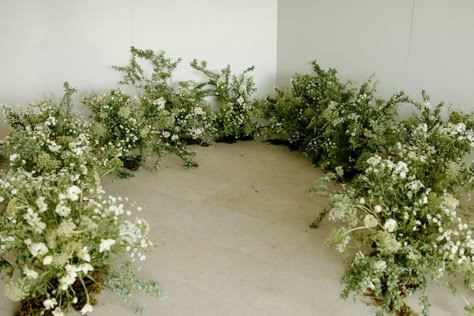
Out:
{"x": 236, "y": 116}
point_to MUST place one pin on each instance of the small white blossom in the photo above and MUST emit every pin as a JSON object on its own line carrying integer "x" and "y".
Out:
{"x": 47, "y": 260}
{"x": 38, "y": 249}
{"x": 87, "y": 309}
{"x": 62, "y": 210}
{"x": 58, "y": 312}
{"x": 73, "y": 193}
{"x": 370, "y": 221}
{"x": 105, "y": 244}
{"x": 390, "y": 225}
{"x": 50, "y": 303}
{"x": 84, "y": 254}
{"x": 30, "y": 274}
{"x": 380, "y": 265}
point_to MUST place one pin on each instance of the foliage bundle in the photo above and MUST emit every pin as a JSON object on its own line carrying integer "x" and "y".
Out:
{"x": 60, "y": 237}
{"x": 331, "y": 121}
{"x": 401, "y": 218}
{"x": 236, "y": 116}
{"x": 159, "y": 119}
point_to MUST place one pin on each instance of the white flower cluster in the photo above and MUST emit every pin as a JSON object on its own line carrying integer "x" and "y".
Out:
{"x": 71, "y": 231}
{"x": 378, "y": 165}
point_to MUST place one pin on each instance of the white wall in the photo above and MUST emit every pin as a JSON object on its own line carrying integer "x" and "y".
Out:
{"x": 43, "y": 43}
{"x": 363, "y": 37}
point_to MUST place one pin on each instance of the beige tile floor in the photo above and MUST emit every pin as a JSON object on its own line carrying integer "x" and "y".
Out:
{"x": 237, "y": 241}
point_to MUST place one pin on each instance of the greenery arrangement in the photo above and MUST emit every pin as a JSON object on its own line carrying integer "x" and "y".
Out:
{"x": 61, "y": 238}
{"x": 236, "y": 116}
{"x": 401, "y": 219}
{"x": 331, "y": 121}
{"x": 47, "y": 138}
{"x": 159, "y": 119}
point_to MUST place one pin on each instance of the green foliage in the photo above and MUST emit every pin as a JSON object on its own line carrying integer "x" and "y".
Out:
{"x": 332, "y": 122}
{"x": 58, "y": 234}
{"x": 236, "y": 116}
{"x": 159, "y": 119}
{"x": 47, "y": 138}
{"x": 292, "y": 111}
{"x": 124, "y": 284}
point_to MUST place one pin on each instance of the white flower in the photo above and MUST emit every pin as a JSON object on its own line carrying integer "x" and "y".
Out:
{"x": 85, "y": 268}
{"x": 362, "y": 201}
{"x": 166, "y": 134}
{"x": 2, "y": 199}
{"x": 30, "y": 274}
{"x": 460, "y": 127}
{"x": 390, "y": 225}
{"x": 174, "y": 137}
{"x": 380, "y": 265}
{"x": 401, "y": 168}
{"x": 377, "y": 208}
{"x": 58, "y": 312}
{"x": 32, "y": 218}
{"x": 13, "y": 157}
{"x": 69, "y": 278}
{"x": 370, "y": 221}
{"x": 42, "y": 206}
{"x": 73, "y": 193}
{"x": 47, "y": 260}
{"x": 105, "y": 244}
{"x": 197, "y": 131}
{"x": 66, "y": 228}
{"x": 50, "y": 303}
{"x": 198, "y": 110}
{"x": 373, "y": 161}
{"x": 84, "y": 254}
{"x": 62, "y": 210}
{"x": 87, "y": 309}
{"x": 54, "y": 147}
{"x": 160, "y": 103}
{"x": 38, "y": 249}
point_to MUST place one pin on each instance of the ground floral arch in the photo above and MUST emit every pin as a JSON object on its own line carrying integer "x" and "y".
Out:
{"x": 400, "y": 220}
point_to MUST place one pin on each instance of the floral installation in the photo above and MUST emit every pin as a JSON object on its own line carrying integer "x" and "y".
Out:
{"x": 159, "y": 119}
{"x": 291, "y": 111}
{"x": 59, "y": 241}
{"x": 237, "y": 114}
{"x": 331, "y": 121}
{"x": 400, "y": 203}
{"x": 47, "y": 138}
{"x": 401, "y": 219}
{"x": 61, "y": 238}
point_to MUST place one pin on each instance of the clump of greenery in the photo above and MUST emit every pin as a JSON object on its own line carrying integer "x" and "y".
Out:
{"x": 292, "y": 111}
{"x": 47, "y": 138}
{"x": 236, "y": 116}
{"x": 60, "y": 238}
{"x": 159, "y": 119}
{"x": 402, "y": 218}
{"x": 438, "y": 144}
{"x": 331, "y": 121}
{"x": 347, "y": 131}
